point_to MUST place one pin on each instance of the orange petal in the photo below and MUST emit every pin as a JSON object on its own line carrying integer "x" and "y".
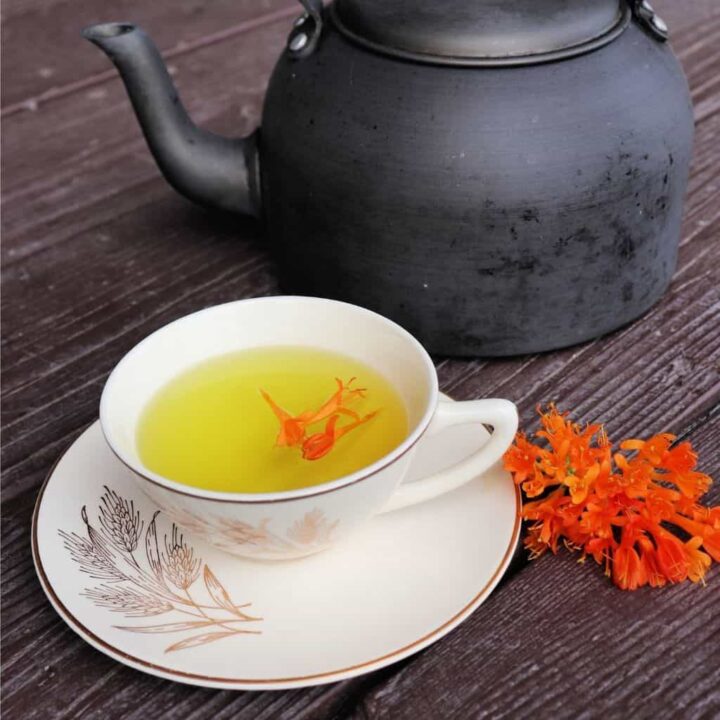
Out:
{"x": 320, "y": 444}
{"x": 347, "y": 428}
{"x": 292, "y": 433}
{"x": 281, "y": 414}
{"x": 329, "y": 407}
{"x": 628, "y": 572}
{"x": 698, "y": 561}
{"x": 671, "y": 558}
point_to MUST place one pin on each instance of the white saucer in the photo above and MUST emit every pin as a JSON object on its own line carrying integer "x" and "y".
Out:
{"x": 400, "y": 584}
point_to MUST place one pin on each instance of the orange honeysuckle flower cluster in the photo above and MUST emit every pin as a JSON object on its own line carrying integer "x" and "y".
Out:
{"x": 624, "y": 509}
{"x": 293, "y": 428}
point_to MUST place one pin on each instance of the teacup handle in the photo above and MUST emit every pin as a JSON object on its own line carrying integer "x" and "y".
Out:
{"x": 501, "y": 414}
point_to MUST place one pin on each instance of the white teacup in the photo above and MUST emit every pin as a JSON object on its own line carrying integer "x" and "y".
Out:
{"x": 294, "y": 523}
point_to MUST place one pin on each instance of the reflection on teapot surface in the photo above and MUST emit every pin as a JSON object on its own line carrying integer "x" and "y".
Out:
{"x": 498, "y": 182}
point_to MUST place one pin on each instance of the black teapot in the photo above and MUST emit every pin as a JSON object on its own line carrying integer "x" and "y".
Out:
{"x": 499, "y": 176}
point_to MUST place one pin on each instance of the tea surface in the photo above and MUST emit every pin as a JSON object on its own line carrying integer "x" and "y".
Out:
{"x": 211, "y": 427}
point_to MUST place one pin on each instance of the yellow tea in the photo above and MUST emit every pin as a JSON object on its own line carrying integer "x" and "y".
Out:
{"x": 270, "y": 419}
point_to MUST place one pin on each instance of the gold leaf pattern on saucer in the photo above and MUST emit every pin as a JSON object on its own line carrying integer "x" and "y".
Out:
{"x": 164, "y": 581}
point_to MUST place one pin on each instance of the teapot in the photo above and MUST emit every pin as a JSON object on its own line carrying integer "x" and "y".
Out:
{"x": 499, "y": 176}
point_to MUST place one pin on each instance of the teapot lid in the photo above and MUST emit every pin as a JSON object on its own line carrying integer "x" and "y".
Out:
{"x": 481, "y": 32}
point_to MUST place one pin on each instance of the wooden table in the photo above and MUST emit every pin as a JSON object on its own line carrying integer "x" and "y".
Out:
{"x": 98, "y": 252}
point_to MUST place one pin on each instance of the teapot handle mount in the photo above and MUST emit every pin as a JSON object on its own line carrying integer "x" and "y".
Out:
{"x": 647, "y": 17}
{"x": 306, "y": 30}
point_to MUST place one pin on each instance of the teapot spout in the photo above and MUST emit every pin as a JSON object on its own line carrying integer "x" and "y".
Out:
{"x": 207, "y": 168}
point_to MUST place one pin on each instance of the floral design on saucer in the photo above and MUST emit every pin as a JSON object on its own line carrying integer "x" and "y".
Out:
{"x": 163, "y": 582}
{"x": 468, "y": 537}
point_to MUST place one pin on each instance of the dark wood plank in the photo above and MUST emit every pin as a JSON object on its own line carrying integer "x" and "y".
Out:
{"x": 45, "y": 59}
{"x": 98, "y": 252}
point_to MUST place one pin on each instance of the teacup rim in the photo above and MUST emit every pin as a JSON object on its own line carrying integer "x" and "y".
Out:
{"x": 286, "y": 495}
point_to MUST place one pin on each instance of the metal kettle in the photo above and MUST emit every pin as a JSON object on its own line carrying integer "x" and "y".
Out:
{"x": 501, "y": 177}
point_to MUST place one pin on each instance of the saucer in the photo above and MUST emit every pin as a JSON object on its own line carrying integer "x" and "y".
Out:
{"x": 189, "y": 612}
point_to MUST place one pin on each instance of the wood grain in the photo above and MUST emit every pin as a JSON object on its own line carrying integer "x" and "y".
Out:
{"x": 50, "y": 59}
{"x": 97, "y": 252}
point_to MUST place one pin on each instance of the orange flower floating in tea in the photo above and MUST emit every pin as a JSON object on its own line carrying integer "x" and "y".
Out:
{"x": 637, "y": 513}
{"x": 294, "y": 428}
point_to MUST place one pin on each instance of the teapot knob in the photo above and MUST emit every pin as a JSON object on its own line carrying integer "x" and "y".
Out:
{"x": 306, "y": 30}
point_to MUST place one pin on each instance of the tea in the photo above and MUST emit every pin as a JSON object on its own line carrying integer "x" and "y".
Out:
{"x": 270, "y": 419}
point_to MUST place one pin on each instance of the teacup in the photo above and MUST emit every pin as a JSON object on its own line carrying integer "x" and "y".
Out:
{"x": 289, "y": 524}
